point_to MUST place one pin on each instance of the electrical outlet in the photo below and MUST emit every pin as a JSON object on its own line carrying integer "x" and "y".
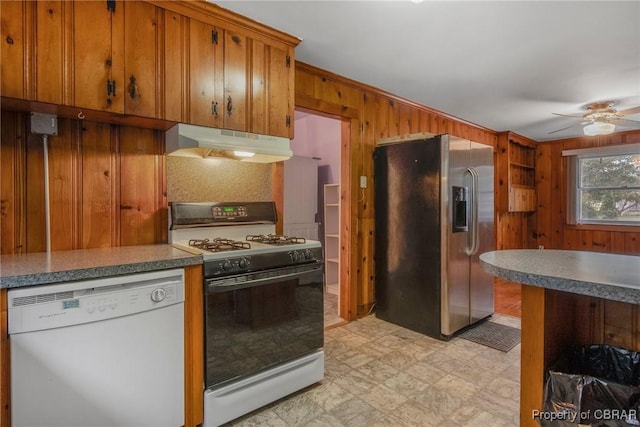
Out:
{"x": 363, "y": 181}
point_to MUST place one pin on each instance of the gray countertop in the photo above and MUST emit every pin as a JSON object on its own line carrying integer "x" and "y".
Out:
{"x": 602, "y": 275}
{"x": 64, "y": 266}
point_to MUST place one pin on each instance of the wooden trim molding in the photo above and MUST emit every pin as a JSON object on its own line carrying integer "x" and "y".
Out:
{"x": 193, "y": 346}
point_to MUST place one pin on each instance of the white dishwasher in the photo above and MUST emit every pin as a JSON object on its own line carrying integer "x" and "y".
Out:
{"x": 99, "y": 353}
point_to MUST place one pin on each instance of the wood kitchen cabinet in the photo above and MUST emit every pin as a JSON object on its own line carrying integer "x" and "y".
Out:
{"x": 236, "y": 90}
{"x": 96, "y": 64}
{"x": 116, "y": 62}
{"x": 218, "y": 60}
{"x": 190, "y": 62}
{"x": 206, "y": 74}
{"x": 271, "y": 89}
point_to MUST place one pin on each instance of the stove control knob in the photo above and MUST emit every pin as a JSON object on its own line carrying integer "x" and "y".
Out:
{"x": 294, "y": 255}
{"x": 308, "y": 254}
{"x": 243, "y": 263}
{"x": 226, "y": 265}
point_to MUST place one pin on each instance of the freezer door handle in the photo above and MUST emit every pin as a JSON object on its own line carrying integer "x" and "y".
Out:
{"x": 473, "y": 241}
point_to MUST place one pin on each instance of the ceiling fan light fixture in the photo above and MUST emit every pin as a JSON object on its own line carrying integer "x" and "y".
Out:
{"x": 599, "y": 128}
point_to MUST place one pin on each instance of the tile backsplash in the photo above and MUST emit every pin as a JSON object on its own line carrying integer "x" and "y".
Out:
{"x": 217, "y": 180}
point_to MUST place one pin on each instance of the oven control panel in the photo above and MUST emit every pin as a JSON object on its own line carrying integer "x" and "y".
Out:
{"x": 229, "y": 212}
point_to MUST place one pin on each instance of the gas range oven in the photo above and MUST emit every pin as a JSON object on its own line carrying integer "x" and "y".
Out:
{"x": 264, "y": 328}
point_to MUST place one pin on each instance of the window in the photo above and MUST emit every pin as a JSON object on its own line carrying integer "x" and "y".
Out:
{"x": 604, "y": 185}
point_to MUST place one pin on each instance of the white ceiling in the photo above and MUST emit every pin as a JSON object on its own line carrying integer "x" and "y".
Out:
{"x": 505, "y": 65}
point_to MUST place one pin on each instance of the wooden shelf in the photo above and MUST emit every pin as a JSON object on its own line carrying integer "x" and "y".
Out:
{"x": 332, "y": 234}
{"x": 522, "y": 165}
{"x": 517, "y": 173}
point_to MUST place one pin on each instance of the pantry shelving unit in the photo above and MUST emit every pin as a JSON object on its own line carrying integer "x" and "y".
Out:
{"x": 332, "y": 237}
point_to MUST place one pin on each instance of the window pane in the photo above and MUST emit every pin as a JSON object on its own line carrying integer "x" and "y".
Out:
{"x": 610, "y": 205}
{"x": 610, "y": 171}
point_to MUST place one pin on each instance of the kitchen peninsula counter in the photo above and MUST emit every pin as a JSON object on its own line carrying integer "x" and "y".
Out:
{"x": 596, "y": 274}
{"x": 568, "y": 298}
{"x": 63, "y": 266}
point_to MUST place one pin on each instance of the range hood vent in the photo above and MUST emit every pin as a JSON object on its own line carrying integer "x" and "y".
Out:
{"x": 200, "y": 141}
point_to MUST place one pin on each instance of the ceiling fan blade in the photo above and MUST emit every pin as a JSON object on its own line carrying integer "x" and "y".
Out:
{"x": 630, "y": 111}
{"x": 565, "y": 115}
{"x": 568, "y": 127}
{"x": 627, "y": 120}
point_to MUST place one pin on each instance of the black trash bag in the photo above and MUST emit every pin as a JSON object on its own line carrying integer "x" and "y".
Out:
{"x": 597, "y": 385}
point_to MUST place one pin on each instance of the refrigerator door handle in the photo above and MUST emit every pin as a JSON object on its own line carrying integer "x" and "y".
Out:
{"x": 474, "y": 243}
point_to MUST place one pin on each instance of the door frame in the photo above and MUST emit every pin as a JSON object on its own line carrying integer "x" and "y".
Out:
{"x": 349, "y": 130}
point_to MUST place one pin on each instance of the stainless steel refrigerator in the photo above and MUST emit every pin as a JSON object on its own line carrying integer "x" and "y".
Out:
{"x": 434, "y": 215}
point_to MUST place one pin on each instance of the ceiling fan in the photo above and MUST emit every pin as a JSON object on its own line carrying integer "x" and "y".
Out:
{"x": 601, "y": 118}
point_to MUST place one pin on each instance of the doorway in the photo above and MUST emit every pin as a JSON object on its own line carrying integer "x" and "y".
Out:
{"x": 318, "y": 140}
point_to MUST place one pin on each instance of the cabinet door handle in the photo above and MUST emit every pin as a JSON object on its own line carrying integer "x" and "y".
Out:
{"x": 229, "y": 106}
{"x": 214, "y": 108}
{"x": 9, "y": 40}
{"x": 111, "y": 88}
{"x": 134, "y": 92}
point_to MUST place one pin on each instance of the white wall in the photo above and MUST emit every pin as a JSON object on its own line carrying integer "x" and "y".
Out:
{"x": 318, "y": 136}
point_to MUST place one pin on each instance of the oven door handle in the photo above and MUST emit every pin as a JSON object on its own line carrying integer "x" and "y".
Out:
{"x": 218, "y": 285}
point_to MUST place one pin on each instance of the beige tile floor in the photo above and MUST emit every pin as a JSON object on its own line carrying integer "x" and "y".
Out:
{"x": 380, "y": 374}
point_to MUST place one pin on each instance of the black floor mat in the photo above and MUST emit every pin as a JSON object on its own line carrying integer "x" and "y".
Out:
{"x": 493, "y": 335}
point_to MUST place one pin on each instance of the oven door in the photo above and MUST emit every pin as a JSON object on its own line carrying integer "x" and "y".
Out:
{"x": 258, "y": 320}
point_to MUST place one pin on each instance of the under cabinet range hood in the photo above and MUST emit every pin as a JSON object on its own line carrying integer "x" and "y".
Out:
{"x": 200, "y": 141}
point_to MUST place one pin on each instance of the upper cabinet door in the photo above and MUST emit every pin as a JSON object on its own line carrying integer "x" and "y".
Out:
{"x": 206, "y": 79}
{"x": 175, "y": 55}
{"x": 272, "y": 98}
{"x": 141, "y": 59}
{"x": 14, "y": 67}
{"x": 236, "y": 53}
{"x": 52, "y": 19}
{"x": 98, "y": 68}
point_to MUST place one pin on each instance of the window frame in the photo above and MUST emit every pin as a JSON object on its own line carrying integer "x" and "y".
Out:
{"x": 574, "y": 191}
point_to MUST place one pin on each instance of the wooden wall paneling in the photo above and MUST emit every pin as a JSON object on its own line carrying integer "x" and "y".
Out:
{"x": 380, "y": 119}
{"x": 16, "y": 29}
{"x": 12, "y": 178}
{"x": 619, "y": 324}
{"x": 632, "y": 243}
{"x": 35, "y": 240}
{"x": 63, "y": 186}
{"x": 52, "y": 46}
{"x": 141, "y": 170}
{"x": 142, "y": 59}
{"x": 544, "y": 188}
{"x": 175, "y": 66}
{"x": 99, "y": 179}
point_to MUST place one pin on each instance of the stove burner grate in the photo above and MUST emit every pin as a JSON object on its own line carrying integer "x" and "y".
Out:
{"x": 219, "y": 244}
{"x": 273, "y": 239}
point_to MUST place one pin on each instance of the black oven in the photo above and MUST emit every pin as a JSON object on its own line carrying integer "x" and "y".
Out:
{"x": 257, "y": 320}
